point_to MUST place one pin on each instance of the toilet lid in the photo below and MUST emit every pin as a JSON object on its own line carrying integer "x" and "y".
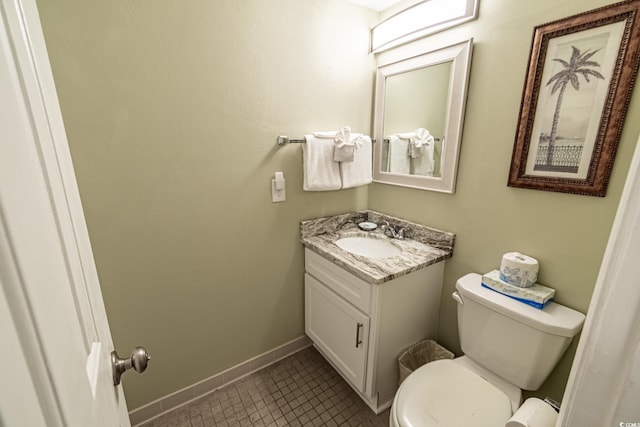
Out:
{"x": 444, "y": 393}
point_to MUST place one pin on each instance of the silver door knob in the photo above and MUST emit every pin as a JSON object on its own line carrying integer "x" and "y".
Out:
{"x": 137, "y": 361}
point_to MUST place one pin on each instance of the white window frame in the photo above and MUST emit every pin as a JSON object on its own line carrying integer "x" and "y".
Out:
{"x": 419, "y": 20}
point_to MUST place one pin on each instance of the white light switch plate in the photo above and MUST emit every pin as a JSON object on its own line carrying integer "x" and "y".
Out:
{"x": 277, "y": 195}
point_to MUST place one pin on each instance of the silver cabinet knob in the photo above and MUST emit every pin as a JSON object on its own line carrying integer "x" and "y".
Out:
{"x": 137, "y": 361}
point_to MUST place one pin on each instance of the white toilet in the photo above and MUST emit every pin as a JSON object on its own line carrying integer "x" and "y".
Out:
{"x": 508, "y": 346}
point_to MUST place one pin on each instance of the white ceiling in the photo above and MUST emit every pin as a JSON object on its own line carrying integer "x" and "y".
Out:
{"x": 376, "y": 4}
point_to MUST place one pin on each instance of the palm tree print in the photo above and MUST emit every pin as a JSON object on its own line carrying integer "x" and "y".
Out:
{"x": 579, "y": 65}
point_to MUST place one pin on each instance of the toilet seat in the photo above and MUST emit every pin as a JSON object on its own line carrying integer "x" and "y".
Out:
{"x": 444, "y": 393}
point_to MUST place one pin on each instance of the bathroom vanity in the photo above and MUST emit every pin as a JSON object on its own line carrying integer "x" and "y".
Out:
{"x": 361, "y": 312}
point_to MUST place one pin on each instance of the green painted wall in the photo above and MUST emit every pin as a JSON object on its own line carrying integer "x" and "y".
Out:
{"x": 172, "y": 109}
{"x": 566, "y": 233}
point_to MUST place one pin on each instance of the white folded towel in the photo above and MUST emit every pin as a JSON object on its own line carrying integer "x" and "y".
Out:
{"x": 398, "y": 157}
{"x": 421, "y": 151}
{"x": 359, "y": 171}
{"x": 346, "y": 144}
{"x": 422, "y": 138}
{"x": 344, "y": 148}
{"x": 423, "y": 164}
{"x": 330, "y": 134}
{"x": 321, "y": 173}
{"x": 343, "y": 136}
{"x": 344, "y": 153}
{"x": 406, "y": 135}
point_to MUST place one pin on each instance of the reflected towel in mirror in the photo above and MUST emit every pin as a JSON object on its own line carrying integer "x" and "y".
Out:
{"x": 422, "y": 138}
{"x": 398, "y": 159}
{"x": 421, "y": 150}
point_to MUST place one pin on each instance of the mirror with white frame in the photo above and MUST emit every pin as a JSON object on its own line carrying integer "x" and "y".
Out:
{"x": 419, "y": 112}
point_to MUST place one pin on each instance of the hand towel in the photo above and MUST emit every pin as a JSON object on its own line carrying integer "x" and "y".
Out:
{"x": 343, "y": 153}
{"x": 321, "y": 173}
{"x": 421, "y": 139}
{"x": 343, "y": 149}
{"x": 424, "y": 164}
{"x": 398, "y": 157}
{"x": 421, "y": 151}
{"x": 358, "y": 172}
{"x": 346, "y": 145}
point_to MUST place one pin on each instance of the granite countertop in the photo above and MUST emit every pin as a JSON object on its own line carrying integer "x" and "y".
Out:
{"x": 423, "y": 246}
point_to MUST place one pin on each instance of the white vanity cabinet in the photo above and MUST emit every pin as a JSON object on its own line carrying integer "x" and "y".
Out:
{"x": 361, "y": 328}
{"x": 339, "y": 329}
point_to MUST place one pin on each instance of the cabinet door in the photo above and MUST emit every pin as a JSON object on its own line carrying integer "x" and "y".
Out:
{"x": 339, "y": 330}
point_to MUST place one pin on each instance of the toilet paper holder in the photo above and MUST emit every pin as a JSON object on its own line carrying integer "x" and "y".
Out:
{"x": 553, "y": 403}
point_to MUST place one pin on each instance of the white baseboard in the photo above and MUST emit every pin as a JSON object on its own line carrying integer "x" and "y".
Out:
{"x": 181, "y": 397}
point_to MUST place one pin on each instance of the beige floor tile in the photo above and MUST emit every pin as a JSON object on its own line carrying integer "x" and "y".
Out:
{"x": 300, "y": 390}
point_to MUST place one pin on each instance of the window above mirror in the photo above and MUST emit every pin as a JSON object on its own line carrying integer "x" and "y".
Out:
{"x": 424, "y": 18}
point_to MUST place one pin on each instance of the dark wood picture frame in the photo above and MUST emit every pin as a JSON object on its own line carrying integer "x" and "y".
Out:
{"x": 566, "y": 138}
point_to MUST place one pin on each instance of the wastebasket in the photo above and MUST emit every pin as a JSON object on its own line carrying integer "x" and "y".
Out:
{"x": 418, "y": 354}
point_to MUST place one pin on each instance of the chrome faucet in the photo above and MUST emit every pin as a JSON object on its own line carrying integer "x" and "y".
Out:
{"x": 389, "y": 231}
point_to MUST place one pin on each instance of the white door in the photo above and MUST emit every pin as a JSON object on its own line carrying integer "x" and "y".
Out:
{"x": 55, "y": 339}
{"x": 338, "y": 329}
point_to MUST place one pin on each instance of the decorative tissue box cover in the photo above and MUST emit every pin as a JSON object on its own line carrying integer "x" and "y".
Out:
{"x": 537, "y": 295}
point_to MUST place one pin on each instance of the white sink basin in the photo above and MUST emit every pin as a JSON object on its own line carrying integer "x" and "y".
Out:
{"x": 368, "y": 246}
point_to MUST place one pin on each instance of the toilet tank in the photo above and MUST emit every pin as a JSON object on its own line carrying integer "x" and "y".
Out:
{"x": 522, "y": 344}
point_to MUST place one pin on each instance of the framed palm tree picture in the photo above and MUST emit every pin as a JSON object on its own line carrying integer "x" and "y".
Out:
{"x": 579, "y": 81}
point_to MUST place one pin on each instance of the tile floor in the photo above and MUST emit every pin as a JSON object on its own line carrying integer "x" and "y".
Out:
{"x": 300, "y": 390}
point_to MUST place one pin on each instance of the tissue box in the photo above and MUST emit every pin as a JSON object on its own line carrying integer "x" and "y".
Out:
{"x": 537, "y": 295}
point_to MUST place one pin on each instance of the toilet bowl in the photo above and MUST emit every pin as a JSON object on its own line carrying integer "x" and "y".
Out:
{"x": 445, "y": 393}
{"x": 508, "y": 346}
